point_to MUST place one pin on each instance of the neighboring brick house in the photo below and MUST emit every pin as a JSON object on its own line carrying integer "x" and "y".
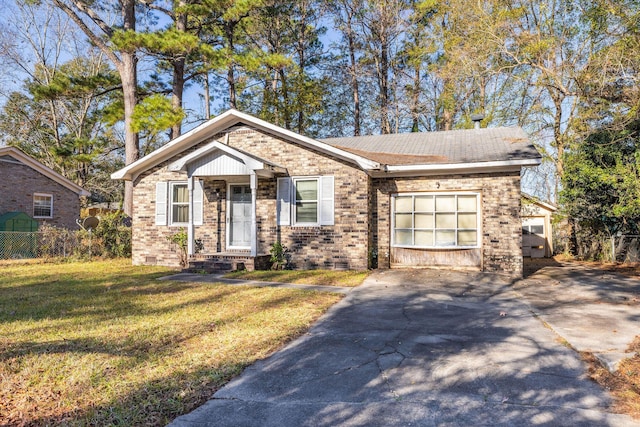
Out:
{"x": 29, "y": 186}
{"x": 238, "y": 184}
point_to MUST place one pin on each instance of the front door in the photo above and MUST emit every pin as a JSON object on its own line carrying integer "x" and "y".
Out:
{"x": 239, "y": 216}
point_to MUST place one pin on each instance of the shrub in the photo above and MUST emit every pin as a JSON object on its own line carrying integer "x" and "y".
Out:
{"x": 279, "y": 256}
{"x": 112, "y": 236}
{"x": 180, "y": 239}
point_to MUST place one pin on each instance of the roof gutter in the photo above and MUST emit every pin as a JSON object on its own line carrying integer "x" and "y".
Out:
{"x": 436, "y": 169}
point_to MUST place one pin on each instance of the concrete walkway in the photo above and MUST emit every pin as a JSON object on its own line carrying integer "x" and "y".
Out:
{"x": 420, "y": 348}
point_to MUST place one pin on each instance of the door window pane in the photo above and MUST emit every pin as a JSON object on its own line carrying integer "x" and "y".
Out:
{"x": 537, "y": 229}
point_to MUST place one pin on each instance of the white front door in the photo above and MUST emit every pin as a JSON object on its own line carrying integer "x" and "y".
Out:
{"x": 239, "y": 216}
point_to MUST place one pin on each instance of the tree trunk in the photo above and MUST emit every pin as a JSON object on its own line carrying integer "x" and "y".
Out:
{"x": 207, "y": 97}
{"x": 286, "y": 112}
{"x": 231, "y": 78}
{"x": 129, "y": 75}
{"x": 353, "y": 70}
{"x": 383, "y": 82}
{"x": 126, "y": 65}
{"x": 177, "y": 87}
{"x": 415, "y": 100}
{"x": 131, "y": 143}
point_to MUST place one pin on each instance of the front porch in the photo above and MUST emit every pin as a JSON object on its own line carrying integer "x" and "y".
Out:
{"x": 227, "y": 261}
{"x": 235, "y": 218}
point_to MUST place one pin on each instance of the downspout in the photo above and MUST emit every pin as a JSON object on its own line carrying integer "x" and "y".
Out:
{"x": 190, "y": 230}
{"x": 254, "y": 224}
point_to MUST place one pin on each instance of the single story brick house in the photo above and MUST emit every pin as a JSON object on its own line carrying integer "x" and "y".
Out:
{"x": 238, "y": 184}
{"x": 30, "y": 187}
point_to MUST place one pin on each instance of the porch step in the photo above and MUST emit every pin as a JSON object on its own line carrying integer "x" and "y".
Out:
{"x": 225, "y": 262}
{"x": 208, "y": 267}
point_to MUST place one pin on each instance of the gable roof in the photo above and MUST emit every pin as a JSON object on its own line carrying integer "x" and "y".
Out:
{"x": 409, "y": 154}
{"x": 501, "y": 146}
{"x": 23, "y": 158}
{"x": 536, "y": 201}
{"x": 223, "y": 122}
{"x": 202, "y": 156}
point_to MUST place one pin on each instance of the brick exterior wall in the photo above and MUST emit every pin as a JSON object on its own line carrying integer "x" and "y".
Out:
{"x": 343, "y": 245}
{"x": 361, "y": 233}
{"x": 18, "y": 183}
{"x": 501, "y": 228}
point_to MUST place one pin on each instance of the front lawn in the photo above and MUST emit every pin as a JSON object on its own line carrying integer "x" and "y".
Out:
{"x": 105, "y": 343}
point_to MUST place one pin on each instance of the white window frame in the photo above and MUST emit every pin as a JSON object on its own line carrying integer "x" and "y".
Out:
{"x": 171, "y": 202}
{"x": 294, "y": 200}
{"x": 434, "y": 228}
{"x": 50, "y": 196}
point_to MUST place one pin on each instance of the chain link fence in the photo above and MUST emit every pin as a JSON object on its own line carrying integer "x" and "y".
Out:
{"x": 110, "y": 237}
{"x": 21, "y": 245}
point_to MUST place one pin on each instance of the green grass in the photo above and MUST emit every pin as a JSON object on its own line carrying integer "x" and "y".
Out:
{"x": 105, "y": 343}
{"x": 305, "y": 277}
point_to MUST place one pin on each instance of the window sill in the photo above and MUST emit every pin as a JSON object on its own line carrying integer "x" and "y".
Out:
{"x": 439, "y": 248}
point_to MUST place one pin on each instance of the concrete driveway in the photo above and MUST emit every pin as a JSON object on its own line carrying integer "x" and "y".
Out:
{"x": 419, "y": 348}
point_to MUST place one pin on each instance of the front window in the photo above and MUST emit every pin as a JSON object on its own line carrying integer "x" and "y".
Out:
{"x": 42, "y": 205}
{"x": 435, "y": 220}
{"x": 179, "y": 203}
{"x": 306, "y": 203}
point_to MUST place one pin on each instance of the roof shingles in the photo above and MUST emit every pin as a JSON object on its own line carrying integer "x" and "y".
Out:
{"x": 445, "y": 147}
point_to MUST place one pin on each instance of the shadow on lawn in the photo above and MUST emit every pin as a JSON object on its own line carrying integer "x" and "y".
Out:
{"x": 429, "y": 350}
{"x": 126, "y": 345}
{"x": 51, "y": 310}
